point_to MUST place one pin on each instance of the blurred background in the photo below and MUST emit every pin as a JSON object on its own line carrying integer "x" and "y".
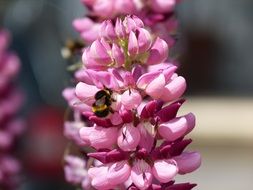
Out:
{"x": 216, "y": 55}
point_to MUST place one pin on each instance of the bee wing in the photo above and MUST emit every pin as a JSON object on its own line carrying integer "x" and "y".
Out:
{"x": 88, "y": 101}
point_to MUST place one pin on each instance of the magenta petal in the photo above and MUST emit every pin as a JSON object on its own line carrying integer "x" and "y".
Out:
{"x": 181, "y": 186}
{"x": 136, "y": 72}
{"x": 118, "y": 172}
{"x": 126, "y": 115}
{"x": 100, "y": 156}
{"x": 169, "y": 112}
{"x": 165, "y": 170}
{"x": 188, "y": 162}
{"x": 141, "y": 174}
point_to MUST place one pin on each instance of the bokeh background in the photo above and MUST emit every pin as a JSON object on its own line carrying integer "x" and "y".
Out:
{"x": 216, "y": 54}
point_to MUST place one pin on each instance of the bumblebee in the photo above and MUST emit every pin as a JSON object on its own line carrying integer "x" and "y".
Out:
{"x": 71, "y": 48}
{"x": 101, "y": 107}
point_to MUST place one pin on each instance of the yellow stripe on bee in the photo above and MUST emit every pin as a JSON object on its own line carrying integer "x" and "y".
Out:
{"x": 99, "y": 108}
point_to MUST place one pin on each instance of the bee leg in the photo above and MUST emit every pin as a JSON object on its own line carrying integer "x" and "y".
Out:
{"x": 111, "y": 110}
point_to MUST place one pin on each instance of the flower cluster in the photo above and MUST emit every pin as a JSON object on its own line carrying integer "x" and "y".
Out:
{"x": 130, "y": 97}
{"x": 158, "y": 16}
{"x": 10, "y": 102}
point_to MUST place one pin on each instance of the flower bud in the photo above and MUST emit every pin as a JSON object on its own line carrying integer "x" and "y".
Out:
{"x": 158, "y": 52}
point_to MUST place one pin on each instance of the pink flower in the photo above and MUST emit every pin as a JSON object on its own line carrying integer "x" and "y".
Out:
{"x": 141, "y": 174}
{"x": 127, "y": 41}
{"x": 154, "y": 13}
{"x": 126, "y": 91}
{"x": 87, "y": 28}
{"x": 129, "y": 137}
{"x": 99, "y": 137}
{"x": 188, "y": 162}
{"x": 161, "y": 6}
{"x": 131, "y": 99}
{"x": 177, "y": 127}
{"x": 163, "y": 84}
{"x": 75, "y": 169}
{"x": 71, "y": 129}
{"x": 11, "y": 100}
{"x": 110, "y": 175}
{"x": 165, "y": 170}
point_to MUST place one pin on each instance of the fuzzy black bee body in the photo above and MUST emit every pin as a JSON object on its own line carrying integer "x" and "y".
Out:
{"x": 101, "y": 107}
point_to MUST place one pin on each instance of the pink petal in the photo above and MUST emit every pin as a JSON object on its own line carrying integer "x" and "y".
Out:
{"x": 165, "y": 170}
{"x": 147, "y": 139}
{"x": 144, "y": 40}
{"x": 146, "y": 78}
{"x": 104, "y": 8}
{"x": 156, "y": 87}
{"x": 119, "y": 28}
{"x": 107, "y": 30}
{"x": 118, "y": 55}
{"x": 99, "y": 137}
{"x": 131, "y": 99}
{"x": 98, "y": 177}
{"x": 174, "y": 89}
{"x": 141, "y": 174}
{"x": 133, "y": 47}
{"x": 173, "y": 129}
{"x": 116, "y": 118}
{"x": 99, "y": 53}
{"x": 129, "y": 137}
{"x": 84, "y": 91}
{"x": 82, "y": 24}
{"x": 158, "y": 52}
{"x": 162, "y": 6}
{"x": 188, "y": 162}
{"x": 118, "y": 173}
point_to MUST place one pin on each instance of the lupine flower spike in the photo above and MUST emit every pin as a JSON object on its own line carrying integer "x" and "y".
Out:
{"x": 130, "y": 96}
{"x": 10, "y": 126}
